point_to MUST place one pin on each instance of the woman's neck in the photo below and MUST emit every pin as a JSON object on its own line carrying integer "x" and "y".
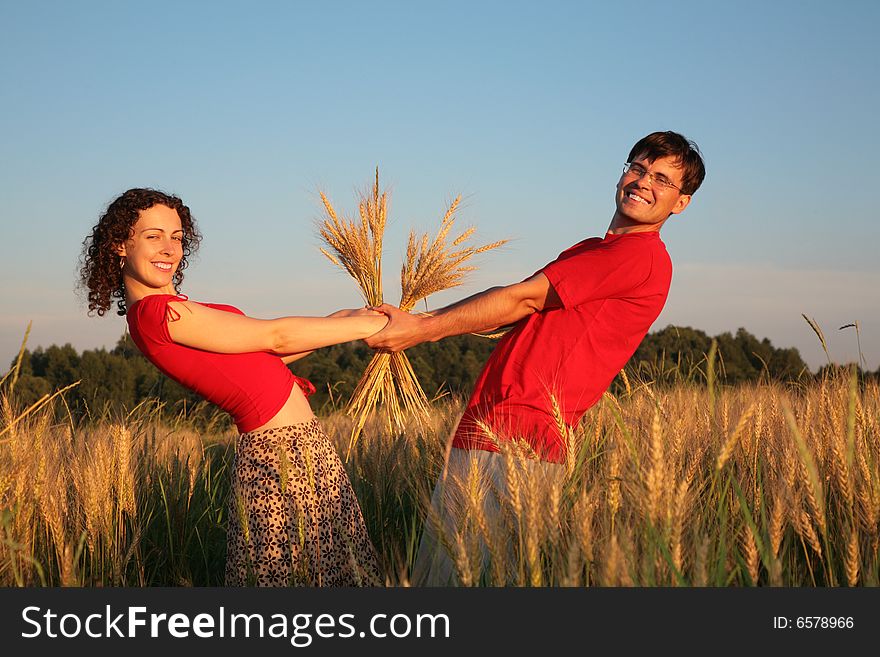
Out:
{"x": 135, "y": 290}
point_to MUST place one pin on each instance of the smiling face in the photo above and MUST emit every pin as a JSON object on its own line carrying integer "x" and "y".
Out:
{"x": 643, "y": 204}
{"x": 152, "y": 253}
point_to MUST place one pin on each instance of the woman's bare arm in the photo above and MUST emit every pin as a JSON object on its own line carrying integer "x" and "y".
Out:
{"x": 353, "y": 312}
{"x": 215, "y": 330}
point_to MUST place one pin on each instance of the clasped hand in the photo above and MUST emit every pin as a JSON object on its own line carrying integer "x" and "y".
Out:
{"x": 402, "y": 331}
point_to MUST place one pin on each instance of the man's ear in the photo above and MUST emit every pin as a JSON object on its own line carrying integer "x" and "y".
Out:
{"x": 681, "y": 203}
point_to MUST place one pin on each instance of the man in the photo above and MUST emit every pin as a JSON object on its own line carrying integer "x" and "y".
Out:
{"x": 576, "y": 322}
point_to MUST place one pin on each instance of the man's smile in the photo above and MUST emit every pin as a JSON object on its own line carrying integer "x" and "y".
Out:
{"x": 638, "y": 199}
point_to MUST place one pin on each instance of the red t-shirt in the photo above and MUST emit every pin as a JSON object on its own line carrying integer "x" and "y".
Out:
{"x": 251, "y": 387}
{"x": 612, "y": 290}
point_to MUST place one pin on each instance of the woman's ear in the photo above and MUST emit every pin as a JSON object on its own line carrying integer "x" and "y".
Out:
{"x": 120, "y": 249}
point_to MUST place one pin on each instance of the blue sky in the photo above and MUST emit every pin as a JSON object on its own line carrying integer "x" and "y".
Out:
{"x": 247, "y": 109}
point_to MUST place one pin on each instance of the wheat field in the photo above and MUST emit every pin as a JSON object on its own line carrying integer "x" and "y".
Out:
{"x": 687, "y": 485}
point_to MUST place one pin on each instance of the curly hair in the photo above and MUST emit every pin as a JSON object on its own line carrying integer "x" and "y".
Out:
{"x": 100, "y": 271}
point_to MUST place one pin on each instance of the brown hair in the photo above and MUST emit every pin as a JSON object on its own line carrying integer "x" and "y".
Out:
{"x": 100, "y": 271}
{"x": 672, "y": 144}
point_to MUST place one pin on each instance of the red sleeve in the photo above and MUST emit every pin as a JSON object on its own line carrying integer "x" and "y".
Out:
{"x": 224, "y": 307}
{"x": 594, "y": 271}
{"x": 148, "y": 320}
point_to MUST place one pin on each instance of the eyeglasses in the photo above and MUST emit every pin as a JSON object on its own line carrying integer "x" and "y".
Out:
{"x": 657, "y": 179}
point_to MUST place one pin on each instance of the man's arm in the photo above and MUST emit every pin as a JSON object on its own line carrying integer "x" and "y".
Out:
{"x": 497, "y": 306}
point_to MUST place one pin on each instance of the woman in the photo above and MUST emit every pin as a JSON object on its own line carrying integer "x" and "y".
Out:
{"x": 293, "y": 517}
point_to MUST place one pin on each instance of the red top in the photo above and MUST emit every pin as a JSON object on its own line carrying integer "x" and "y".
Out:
{"x": 252, "y": 387}
{"x": 612, "y": 290}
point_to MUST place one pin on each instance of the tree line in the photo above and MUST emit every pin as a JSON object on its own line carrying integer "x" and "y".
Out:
{"x": 115, "y": 380}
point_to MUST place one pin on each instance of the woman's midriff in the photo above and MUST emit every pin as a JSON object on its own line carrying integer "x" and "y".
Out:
{"x": 295, "y": 410}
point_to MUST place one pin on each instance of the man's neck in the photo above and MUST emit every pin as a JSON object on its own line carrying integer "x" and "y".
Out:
{"x": 621, "y": 225}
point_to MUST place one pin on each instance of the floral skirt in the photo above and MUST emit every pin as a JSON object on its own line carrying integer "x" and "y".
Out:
{"x": 293, "y": 516}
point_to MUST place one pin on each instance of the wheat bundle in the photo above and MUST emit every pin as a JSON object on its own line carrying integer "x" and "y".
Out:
{"x": 389, "y": 381}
